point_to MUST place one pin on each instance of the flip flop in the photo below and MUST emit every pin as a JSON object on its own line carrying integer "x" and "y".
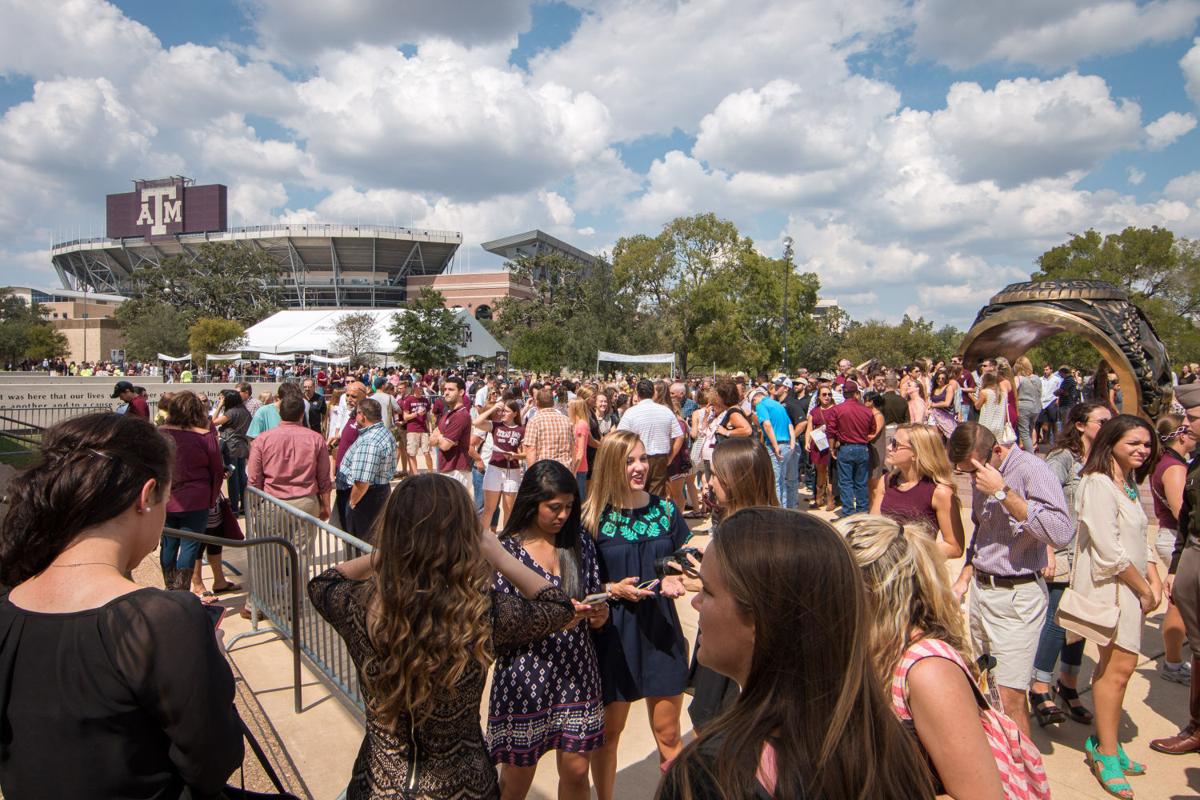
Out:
{"x": 227, "y": 588}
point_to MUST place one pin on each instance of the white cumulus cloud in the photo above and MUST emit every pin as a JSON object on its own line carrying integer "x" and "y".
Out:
{"x": 1166, "y": 129}
{"x": 1190, "y": 64}
{"x": 1047, "y": 34}
{"x": 1028, "y": 128}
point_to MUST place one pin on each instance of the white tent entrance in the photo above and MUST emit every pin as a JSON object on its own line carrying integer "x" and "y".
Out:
{"x": 625, "y": 358}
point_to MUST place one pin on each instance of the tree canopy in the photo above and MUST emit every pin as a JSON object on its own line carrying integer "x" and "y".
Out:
{"x": 26, "y": 333}
{"x": 1160, "y": 272}
{"x": 151, "y": 327}
{"x": 355, "y": 336}
{"x": 238, "y": 283}
{"x": 427, "y": 334}
{"x": 214, "y": 335}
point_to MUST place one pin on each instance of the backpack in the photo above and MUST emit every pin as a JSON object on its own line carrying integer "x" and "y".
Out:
{"x": 1017, "y": 758}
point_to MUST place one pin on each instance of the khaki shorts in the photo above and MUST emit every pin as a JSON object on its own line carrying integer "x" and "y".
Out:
{"x": 1007, "y": 624}
{"x": 417, "y": 443}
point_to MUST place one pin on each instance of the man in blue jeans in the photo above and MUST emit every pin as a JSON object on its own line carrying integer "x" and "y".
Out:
{"x": 776, "y": 429}
{"x": 852, "y": 425}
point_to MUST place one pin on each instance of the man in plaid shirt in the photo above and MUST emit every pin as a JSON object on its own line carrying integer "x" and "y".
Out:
{"x": 367, "y": 468}
{"x": 548, "y": 433}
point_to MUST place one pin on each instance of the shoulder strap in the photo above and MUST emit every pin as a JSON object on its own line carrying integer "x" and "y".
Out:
{"x": 930, "y": 648}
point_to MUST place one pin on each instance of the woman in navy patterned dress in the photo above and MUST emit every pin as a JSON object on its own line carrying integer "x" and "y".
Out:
{"x": 642, "y": 651}
{"x": 546, "y": 694}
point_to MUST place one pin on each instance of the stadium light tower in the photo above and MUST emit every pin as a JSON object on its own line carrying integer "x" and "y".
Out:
{"x": 787, "y": 271}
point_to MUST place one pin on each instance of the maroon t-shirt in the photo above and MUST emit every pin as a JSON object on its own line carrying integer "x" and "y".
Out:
{"x": 138, "y": 406}
{"x": 506, "y": 445}
{"x": 415, "y": 404}
{"x": 915, "y": 504}
{"x": 850, "y": 422}
{"x": 1162, "y": 511}
{"x": 455, "y": 426}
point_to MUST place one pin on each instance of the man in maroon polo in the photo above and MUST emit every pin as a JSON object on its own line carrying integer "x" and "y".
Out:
{"x": 852, "y": 426}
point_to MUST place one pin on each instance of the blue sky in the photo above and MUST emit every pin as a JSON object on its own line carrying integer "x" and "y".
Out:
{"x": 921, "y": 153}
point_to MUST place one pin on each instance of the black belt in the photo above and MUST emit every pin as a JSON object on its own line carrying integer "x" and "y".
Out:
{"x": 1003, "y": 581}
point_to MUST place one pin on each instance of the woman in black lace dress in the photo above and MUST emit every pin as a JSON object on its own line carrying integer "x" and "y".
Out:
{"x": 422, "y": 628}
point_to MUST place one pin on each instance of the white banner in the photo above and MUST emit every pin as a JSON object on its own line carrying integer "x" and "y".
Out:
{"x": 323, "y": 360}
{"x": 657, "y": 358}
{"x": 223, "y": 357}
{"x": 164, "y": 357}
{"x": 280, "y": 356}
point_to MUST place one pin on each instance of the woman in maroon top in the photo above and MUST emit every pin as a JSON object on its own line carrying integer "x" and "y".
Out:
{"x": 503, "y": 473}
{"x": 195, "y": 485}
{"x": 920, "y": 488}
{"x": 817, "y": 457}
{"x": 1167, "y": 487}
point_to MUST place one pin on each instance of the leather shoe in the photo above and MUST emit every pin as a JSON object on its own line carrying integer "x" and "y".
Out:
{"x": 1186, "y": 741}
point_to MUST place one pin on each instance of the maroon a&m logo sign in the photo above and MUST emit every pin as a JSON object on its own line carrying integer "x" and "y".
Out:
{"x": 166, "y": 207}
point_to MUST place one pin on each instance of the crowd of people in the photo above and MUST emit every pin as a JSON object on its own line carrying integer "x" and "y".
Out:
{"x": 541, "y": 528}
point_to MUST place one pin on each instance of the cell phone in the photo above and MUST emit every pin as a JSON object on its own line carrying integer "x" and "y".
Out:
{"x": 649, "y": 585}
{"x": 216, "y": 613}
{"x": 595, "y": 600}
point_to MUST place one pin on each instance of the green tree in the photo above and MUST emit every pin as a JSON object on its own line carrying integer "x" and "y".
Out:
{"x": 26, "y": 333}
{"x": 151, "y": 327}
{"x": 1160, "y": 272}
{"x": 427, "y": 333}
{"x": 900, "y": 344}
{"x": 741, "y": 314}
{"x": 355, "y": 336}
{"x": 45, "y": 341}
{"x": 669, "y": 276}
{"x": 214, "y": 335}
{"x": 235, "y": 282}
{"x": 575, "y": 310}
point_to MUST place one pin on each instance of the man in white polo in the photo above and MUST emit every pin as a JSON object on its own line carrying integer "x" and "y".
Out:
{"x": 660, "y": 434}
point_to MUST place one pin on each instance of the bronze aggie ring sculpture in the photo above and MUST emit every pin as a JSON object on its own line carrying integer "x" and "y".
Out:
{"x": 1021, "y": 315}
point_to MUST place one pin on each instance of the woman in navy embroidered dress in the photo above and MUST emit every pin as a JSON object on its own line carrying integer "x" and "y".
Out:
{"x": 642, "y": 652}
{"x": 546, "y": 694}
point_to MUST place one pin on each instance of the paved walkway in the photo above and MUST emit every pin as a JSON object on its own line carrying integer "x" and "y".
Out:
{"x": 325, "y": 737}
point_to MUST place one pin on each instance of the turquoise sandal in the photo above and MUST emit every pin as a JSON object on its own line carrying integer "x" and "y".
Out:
{"x": 1134, "y": 769}
{"x": 1107, "y": 770}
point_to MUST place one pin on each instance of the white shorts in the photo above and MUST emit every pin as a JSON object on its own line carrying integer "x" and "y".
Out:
{"x": 502, "y": 479}
{"x": 463, "y": 476}
{"x": 1164, "y": 545}
{"x": 1007, "y": 624}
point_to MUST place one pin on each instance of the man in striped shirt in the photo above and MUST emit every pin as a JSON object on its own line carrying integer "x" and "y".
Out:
{"x": 1019, "y": 509}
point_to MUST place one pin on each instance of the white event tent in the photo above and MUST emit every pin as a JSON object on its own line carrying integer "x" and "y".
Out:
{"x": 312, "y": 331}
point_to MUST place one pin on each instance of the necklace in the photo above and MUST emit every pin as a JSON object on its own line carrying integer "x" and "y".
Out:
{"x": 1131, "y": 492}
{"x": 87, "y": 564}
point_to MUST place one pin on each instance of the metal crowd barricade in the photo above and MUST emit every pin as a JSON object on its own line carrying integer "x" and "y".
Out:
{"x": 252, "y": 546}
{"x": 318, "y": 546}
{"x": 22, "y": 425}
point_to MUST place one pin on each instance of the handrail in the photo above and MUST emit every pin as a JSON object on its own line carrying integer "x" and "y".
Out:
{"x": 294, "y": 559}
{"x": 320, "y": 545}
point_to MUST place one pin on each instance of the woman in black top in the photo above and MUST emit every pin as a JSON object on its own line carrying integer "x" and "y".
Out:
{"x": 107, "y": 689}
{"x": 232, "y": 422}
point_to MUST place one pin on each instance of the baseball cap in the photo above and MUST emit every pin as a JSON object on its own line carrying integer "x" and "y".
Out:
{"x": 122, "y": 386}
{"x": 1188, "y": 395}
{"x": 850, "y": 387}
{"x": 784, "y": 380}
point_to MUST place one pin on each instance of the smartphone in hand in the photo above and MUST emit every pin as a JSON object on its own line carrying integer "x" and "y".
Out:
{"x": 649, "y": 585}
{"x": 595, "y": 600}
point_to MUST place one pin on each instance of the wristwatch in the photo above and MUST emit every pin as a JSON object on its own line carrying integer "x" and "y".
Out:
{"x": 1001, "y": 493}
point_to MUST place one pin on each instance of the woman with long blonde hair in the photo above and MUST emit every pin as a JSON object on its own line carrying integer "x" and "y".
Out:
{"x": 919, "y": 641}
{"x": 422, "y": 628}
{"x": 642, "y": 651}
{"x": 785, "y": 615}
{"x": 581, "y": 428}
{"x": 920, "y": 489}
